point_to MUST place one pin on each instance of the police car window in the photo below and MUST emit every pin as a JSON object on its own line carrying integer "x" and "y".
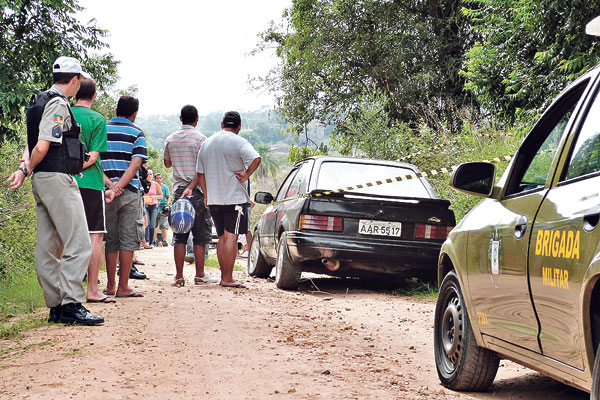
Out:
{"x": 535, "y": 156}
{"x": 537, "y": 173}
{"x": 282, "y": 194}
{"x": 585, "y": 157}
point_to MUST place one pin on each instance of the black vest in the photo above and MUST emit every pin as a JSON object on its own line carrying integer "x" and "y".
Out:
{"x": 66, "y": 157}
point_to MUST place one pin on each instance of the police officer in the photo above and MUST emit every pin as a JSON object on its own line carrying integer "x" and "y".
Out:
{"x": 63, "y": 244}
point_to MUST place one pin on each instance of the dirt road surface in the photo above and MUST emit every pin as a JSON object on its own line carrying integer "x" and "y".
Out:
{"x": 342, "y": 341}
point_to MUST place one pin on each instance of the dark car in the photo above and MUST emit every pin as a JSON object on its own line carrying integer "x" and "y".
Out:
{"x": 395, "y": 229}
{"x": 520, "y": 274}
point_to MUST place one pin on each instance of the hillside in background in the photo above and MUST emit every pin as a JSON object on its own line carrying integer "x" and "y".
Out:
{"x": 259, "y": 126}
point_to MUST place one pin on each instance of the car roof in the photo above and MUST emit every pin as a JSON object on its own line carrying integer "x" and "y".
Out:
{"x": 356, "y": 160}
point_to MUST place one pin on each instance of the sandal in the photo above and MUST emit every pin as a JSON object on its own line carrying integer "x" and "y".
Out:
{"x": 178, "y": 282}
{"x": 148, "y": 246}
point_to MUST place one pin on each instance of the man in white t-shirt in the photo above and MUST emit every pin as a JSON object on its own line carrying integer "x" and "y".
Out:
{"x": 222, "y": 176}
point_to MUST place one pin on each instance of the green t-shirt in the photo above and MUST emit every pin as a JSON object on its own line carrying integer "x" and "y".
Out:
{"x": 93, "y": 135}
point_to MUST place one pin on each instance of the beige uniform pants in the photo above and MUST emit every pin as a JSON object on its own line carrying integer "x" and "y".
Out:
{"x": 63, "y": 243}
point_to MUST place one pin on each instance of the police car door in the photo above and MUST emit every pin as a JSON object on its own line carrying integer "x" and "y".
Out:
{"x": 497, "y": 255}
{"x": 565, "y": 240}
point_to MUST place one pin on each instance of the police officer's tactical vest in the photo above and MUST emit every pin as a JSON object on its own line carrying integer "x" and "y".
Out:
{"x": 66, "y": 157}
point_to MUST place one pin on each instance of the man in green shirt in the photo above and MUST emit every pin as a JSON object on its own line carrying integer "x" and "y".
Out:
{"x": 91, "y": 182}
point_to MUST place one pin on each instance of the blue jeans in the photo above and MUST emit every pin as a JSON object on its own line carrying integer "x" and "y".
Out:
{"x": 152, "y": 210}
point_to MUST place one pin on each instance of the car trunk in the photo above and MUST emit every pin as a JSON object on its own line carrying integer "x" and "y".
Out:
{"x": 419, "y": 217}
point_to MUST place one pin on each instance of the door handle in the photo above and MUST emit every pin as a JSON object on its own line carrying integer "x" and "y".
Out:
{"x": 591, "y": 218}
{"x": 521, "y": 226}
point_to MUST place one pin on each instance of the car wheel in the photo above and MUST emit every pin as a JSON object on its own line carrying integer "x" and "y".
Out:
{"x": 287, "y": 273}
{"x": 595, "y": 393}
{"x": 257, "y": 265}
{"x": 460, "y": 363}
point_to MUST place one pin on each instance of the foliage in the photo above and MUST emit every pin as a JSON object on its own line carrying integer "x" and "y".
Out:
{"x": 106, "y": 101}
{"x": 20, "y": 295}
{"x": 332, "y": 51}
{"x": 33, "y": 33}
{"x": 298, "y": 153}
{"x": 17, "y": 217}
{"x": 268, "y": 163}
{"x": 529, "y": 50}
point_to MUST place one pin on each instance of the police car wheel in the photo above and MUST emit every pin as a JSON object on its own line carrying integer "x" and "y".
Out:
{"x": 460, "y": 363}
{"x": 257, "y": 266}
{"x": 287, "y": 273}
{"x": 595, "y": 392}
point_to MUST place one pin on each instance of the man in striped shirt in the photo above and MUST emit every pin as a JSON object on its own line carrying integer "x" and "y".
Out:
{"x": 181, "y": 152}
{"x": 124, "y": 215}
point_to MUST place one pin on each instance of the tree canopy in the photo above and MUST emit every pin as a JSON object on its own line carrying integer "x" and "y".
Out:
{"x": 528, "y": 51}
{"x": 331, "y": 51}
{"x": 33, "y": 33}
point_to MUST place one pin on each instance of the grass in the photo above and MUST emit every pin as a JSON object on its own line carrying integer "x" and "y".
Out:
{"x": 417, "y": 289}
{"x": 212, "y": 262}
{"x": 19, "y": 296}
{"x": 12, "y": 351}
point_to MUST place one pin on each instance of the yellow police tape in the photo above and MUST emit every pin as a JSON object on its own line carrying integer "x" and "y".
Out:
{"x": 424, "y": 174}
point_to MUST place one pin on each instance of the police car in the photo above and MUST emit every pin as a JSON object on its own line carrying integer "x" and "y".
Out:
{"x": 520, "y": 274}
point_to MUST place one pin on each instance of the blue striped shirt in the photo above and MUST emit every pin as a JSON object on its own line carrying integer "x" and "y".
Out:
{"x": 125, "y": 141}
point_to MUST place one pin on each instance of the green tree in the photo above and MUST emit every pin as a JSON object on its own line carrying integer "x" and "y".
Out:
{"x": 33, "y": 33}
{"x": 331, "y": 51}
{"x": 268, "y": 164}
{"x": 529, "y": 50}
{"x": 106, "y": 102}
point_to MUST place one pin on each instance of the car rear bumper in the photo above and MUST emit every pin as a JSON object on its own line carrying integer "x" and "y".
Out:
{"x": 366, "y": 253}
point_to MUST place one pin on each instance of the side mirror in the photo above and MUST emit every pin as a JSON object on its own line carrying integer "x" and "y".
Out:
{"x": 263, "y": 197}
{"x": 476, "y": 178}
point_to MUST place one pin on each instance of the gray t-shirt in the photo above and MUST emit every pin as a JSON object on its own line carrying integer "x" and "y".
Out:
{"x": 220, "y": 156}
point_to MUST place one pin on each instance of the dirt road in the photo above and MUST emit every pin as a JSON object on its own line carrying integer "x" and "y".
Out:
{"x": 346, "y": 341}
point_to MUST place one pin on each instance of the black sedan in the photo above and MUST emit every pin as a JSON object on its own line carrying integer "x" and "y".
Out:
{"x": 395, "y": 229}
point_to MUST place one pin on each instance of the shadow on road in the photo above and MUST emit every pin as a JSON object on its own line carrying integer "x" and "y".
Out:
{"x": 532, "y": 386}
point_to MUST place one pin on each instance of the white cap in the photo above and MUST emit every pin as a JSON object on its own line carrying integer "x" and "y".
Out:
{"x": 69, "y": 65}
{"x": 593, "y": 27}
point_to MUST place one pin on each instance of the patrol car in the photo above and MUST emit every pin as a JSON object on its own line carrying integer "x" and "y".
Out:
{"x": 520, "y": 274}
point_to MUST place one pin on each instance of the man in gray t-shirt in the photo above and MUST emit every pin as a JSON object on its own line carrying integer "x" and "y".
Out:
{"x": 222, "y": 175}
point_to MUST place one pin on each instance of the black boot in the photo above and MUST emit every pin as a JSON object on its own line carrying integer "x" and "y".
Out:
{"x": 135, "y": 274}
{"x": 75, "y": 313}
{"x": 55, "y": 314}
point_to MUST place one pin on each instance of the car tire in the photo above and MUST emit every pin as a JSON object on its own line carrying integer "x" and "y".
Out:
{"x": 287, "y": 273}
{"x": 595, "y": 392}
{"x": 461, "y": 364}
{"x": 257, "y": 265}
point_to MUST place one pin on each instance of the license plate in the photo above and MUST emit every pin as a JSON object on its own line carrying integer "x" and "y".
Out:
{"x": 379, "y": 228}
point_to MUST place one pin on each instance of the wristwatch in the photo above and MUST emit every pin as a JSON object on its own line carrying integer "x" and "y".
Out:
{"x": 23, "y": 170}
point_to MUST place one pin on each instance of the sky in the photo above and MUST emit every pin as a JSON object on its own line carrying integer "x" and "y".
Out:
{"x": 181, "y": 52}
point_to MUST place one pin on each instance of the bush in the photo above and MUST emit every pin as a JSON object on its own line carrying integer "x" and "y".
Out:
{"x": 17, "y": 218}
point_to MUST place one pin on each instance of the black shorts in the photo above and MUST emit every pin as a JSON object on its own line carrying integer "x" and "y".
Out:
{"x": 202, "y": 228}
{"x": 232, "y": 218}
{"x": 95, "y": 209}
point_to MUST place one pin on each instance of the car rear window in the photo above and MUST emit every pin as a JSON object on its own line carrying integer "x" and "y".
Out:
{"x": 335, "y": 175}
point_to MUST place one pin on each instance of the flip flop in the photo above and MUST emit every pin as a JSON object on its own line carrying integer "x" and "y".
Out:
{"x": 104, "y": 300}
{"x": 108, "y": 293}
{"x": 132, "y": 294}
{"x": 136, "y": 262}
{"x": 236, "y": 285}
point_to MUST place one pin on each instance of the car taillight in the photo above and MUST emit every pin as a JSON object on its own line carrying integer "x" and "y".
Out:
{"x": 321, "y": 223}
{"x": 438, "y": 232}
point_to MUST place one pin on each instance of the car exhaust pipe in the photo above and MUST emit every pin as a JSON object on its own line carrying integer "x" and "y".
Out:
{"x": 332, "y": 265}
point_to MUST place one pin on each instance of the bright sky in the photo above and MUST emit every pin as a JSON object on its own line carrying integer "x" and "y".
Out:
{"x": 188, "y": 52}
